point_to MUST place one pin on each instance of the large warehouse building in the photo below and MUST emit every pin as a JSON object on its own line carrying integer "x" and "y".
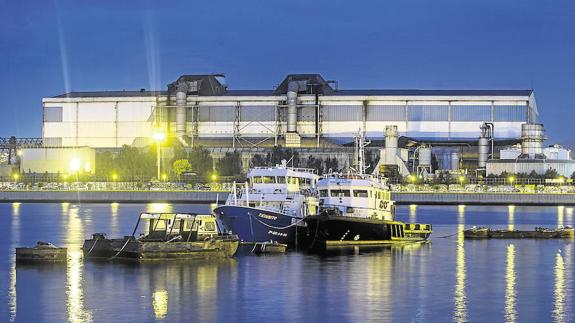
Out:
{"x": 305, "y": 110}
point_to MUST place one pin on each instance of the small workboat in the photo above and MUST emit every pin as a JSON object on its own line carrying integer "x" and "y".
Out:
{"x": 166, "y": 236}
{"x": 42, "y": 252}
{"x": 538, "y": 233}
{"x": 356, "y": 209}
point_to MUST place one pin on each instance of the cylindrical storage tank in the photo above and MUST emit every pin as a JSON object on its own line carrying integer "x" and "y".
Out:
{"x": 455, "y": 161}
{"x": 425, "y": 156}
{"x": 483, "y": 152}
{"x": 532, "y": 136}
{"x": 390, "y": 144}
{"x": 181, "y": 101}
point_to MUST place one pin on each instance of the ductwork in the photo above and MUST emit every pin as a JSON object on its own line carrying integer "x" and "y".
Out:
{"x": 181, "y": 102}
{"x": 293, "y": 88}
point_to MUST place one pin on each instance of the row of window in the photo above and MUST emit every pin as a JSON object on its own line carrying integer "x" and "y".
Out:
{"x": 355, "y": 193}
{"x": 351, "y": 113}
{"x": 280, "y": 180}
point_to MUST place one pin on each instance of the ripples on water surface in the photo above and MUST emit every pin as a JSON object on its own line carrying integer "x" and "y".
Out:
{"x": 447, "y": 280}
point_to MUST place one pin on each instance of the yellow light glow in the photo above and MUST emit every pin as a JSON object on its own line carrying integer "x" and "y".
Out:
{"x": 160, "y": 303}
{"x": 158, "y": 208}
{"x": 159, "y": 136}
{"x": 214, "y": 177}
{"x": 64, "y": 176}
{"x": 460, "y": 297}
{"x": 19, "y": 153}
{"x": 413, "y": 213}
{"x": 114, "y": 176}
{"x": 461, "y": 179}
{"x": 16, "y": 176}
{"x": 164, "y": 177}
{"x": 511, "y": 179}
{"x": 559, "y": 291}
{"x": 74, "y": 165}
{"x": 561, "y": 180}
{"x": 510, "y": 278}
{"x": 511, "y": 217}
{"x": 87, "y": 167}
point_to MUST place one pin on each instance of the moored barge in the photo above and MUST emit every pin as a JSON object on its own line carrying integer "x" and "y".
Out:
{"x": 538, "y": 233}
{"x": 166, "y": 236}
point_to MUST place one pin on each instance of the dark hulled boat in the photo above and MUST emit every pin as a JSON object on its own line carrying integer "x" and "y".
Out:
{"x": 356, "y": 209}
{"x": 271, "y": 205}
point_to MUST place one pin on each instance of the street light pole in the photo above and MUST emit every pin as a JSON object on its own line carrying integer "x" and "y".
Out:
{"x": 159, "y": 137}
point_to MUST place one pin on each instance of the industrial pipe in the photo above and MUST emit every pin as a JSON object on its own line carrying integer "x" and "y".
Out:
{"x": 293, "y": 88}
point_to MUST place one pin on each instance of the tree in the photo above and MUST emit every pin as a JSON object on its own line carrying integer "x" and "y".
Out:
{"x": 331, "y": 164}
{"x": 551, "y": 174}
{"x": 181, "y": 166}
{"x": 230, "y": 164}
{"x": 258, "y": 160}
{"x": 202, "y": 162}
{"x": 314, "y": 163}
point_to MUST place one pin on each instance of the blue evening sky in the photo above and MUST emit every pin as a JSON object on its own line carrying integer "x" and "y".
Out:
{"x": 48, "y": 47}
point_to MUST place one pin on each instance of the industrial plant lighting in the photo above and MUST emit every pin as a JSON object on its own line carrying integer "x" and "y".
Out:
{"x": 461, "y": 179}
{"x": 511, "y": 179}
{"x": 159, "y": 136}
{"x": 74, "y": 165}
{"x": 214, "y": 177}
{"x": 114, "y": 176}
{"x": 561, "y": 180}
{"x": 19, "y": 153}
{"x": 16, "y": 177}
{"x": 87, "y": 167}
{"x": 164, "y": 177}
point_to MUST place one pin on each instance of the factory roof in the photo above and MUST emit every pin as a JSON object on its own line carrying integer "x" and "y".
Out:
{"x": 383, "y": 92}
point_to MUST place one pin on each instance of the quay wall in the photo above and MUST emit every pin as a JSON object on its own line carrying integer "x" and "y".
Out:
{"x": 213, "y": 196}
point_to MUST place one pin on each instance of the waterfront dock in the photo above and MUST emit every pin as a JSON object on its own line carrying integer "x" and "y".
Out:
{"x": 401, "y": 198}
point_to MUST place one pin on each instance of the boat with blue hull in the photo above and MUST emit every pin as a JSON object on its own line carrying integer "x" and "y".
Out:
{"x": 271, "y": 205}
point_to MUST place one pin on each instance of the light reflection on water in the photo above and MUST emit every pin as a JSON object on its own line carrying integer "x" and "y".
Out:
{"x": 15, "y": 236}
{"x": 511, "y": 218}
{"x": 460, "y": 298}
{"x": 510, "y": 277}
{"x": 407, "y": 283}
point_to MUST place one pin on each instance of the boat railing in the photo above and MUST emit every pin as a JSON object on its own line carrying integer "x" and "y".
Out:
{"x": 295, "y": 169}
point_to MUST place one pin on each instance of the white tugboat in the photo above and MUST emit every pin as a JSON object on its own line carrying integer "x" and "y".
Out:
{"x": 356, "y": 209}
{"x": 271, "y": 205}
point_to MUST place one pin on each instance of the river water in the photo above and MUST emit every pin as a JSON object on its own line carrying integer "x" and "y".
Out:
{"x": 446, "y": 280}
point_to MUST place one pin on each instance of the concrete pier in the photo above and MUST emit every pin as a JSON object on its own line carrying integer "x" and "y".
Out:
{"x": 212, "y": 196}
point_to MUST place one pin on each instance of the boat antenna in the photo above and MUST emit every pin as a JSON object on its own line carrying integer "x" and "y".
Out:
{"x": 360, "y": 144}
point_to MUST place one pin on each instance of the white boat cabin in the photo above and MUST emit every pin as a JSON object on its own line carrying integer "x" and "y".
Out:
{"x": 357, "y": 195}
{"x": 280, "y": 189}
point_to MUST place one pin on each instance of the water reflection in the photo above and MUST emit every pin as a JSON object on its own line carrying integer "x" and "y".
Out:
{"x": 15, "y": 236}
{"x": 159, "y": 208}
{"x": 511, "y": 217}
{"x": 114, "y": 221}
{"x": 160, "y": 303}
{"x": 510, "y": 281}
{"x": 74, "y": 291}
{"x": 413, "y": 213}
{"x": 559, "y": 291}
{"x": 460, "y": 298}
{"x": 560, "y": 215}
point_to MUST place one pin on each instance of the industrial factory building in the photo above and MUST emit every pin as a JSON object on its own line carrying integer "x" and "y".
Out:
{"x": 461, "y": 128}
{"x": 305, "y": 110}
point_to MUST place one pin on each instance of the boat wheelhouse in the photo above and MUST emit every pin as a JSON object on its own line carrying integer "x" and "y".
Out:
{"x": 271, "y": 204}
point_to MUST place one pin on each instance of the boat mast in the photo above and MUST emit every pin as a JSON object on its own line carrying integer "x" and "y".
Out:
{"x": 360, "y": 144}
